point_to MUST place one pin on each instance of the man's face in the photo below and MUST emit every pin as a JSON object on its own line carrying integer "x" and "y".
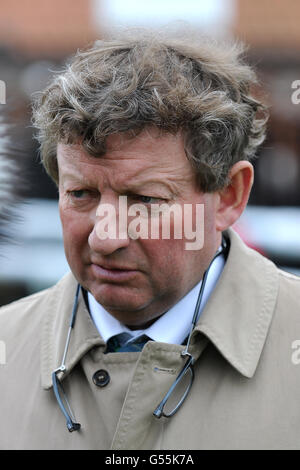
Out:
{"x": 135, "y": 280}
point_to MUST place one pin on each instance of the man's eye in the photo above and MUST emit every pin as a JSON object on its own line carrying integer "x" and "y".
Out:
{"x": 149, "y": 199}
{"x": 78, "y": 194}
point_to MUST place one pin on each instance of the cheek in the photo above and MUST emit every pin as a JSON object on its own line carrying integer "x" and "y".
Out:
{"x": 75, "y": 233}
{"x": 166, "y": 258}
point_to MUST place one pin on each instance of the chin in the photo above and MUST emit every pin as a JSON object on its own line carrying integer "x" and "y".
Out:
{"x": 119, "y": 298}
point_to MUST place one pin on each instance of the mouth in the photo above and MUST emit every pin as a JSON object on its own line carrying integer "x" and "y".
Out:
{"x": 113, "y": 274}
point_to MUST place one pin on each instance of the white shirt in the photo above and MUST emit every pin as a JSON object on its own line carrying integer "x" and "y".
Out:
{"x": 173, "y": 326}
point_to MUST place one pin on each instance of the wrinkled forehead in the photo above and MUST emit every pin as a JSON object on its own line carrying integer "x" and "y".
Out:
{"x": 148, "y": 156}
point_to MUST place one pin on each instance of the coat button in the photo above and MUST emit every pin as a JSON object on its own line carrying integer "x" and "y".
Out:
{"x": 101, "y": 378}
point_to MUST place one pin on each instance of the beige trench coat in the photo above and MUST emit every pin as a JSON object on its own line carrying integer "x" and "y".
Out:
{"x": 246, "y": 392}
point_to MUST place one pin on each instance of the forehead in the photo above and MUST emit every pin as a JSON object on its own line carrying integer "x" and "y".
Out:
{"x": 149, "y": 156}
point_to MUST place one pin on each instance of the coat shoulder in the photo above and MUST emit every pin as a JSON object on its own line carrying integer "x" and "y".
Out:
{"x": 23, "y": 314}
{"x": 289, "y": 287}
{"x": 24, "y": 301}
{"x": 286, "y": 276}
{"x": 30, "y": 310}
{"x": 288, "y": 301}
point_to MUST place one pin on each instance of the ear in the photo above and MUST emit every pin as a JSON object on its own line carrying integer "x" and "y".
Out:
{"x": 234, "y": 197}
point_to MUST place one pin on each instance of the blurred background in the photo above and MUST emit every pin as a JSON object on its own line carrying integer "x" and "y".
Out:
{"x": 36, "y": 36}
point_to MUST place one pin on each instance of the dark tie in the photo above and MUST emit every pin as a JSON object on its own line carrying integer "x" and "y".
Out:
{"x": 117, "y": 343}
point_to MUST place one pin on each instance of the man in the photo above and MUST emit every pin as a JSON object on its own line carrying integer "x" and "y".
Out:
{"x": 153, "y": 342}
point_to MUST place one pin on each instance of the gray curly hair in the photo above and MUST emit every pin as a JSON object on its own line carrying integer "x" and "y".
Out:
{"x": 127, "y": 83}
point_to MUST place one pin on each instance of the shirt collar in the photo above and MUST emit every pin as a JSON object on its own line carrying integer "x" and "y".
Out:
{"x": 173, "y": 326}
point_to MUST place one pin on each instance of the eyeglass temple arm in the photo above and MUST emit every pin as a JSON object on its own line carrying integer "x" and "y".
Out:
{"x": 71, "y": 425}
{"x": 71, "y": 325}
{"x": 159, "y": 409}
{"x": 199, "y": 299}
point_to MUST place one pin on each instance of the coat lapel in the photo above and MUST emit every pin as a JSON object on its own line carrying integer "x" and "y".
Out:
{"x": 84, "y": 335}
{"x": 238, "y": 314}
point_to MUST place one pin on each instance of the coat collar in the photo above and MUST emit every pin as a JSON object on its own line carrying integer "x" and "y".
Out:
{"x": 55, "y": 329}
{"x": 238, "y": 314}
{"x": 235, "y": 319}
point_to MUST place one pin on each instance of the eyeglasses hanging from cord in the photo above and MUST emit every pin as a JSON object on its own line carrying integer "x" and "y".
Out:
{"x": 159, "y": 411}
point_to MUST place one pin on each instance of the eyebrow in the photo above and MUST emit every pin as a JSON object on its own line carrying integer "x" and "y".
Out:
{"x": 76, "y": 177}
{"x": 149, "y": 186}
{"x": 159, "y": 188}
{"x": 128, "y": 188}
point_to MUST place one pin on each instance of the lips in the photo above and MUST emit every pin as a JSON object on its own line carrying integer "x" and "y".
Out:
{"x": 113, "y": 274}
{"x": 110, "y": 267}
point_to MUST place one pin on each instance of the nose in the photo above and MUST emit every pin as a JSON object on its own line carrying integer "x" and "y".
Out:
{"x": 108, "y": 246}
{"x": 109, "y": 234}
